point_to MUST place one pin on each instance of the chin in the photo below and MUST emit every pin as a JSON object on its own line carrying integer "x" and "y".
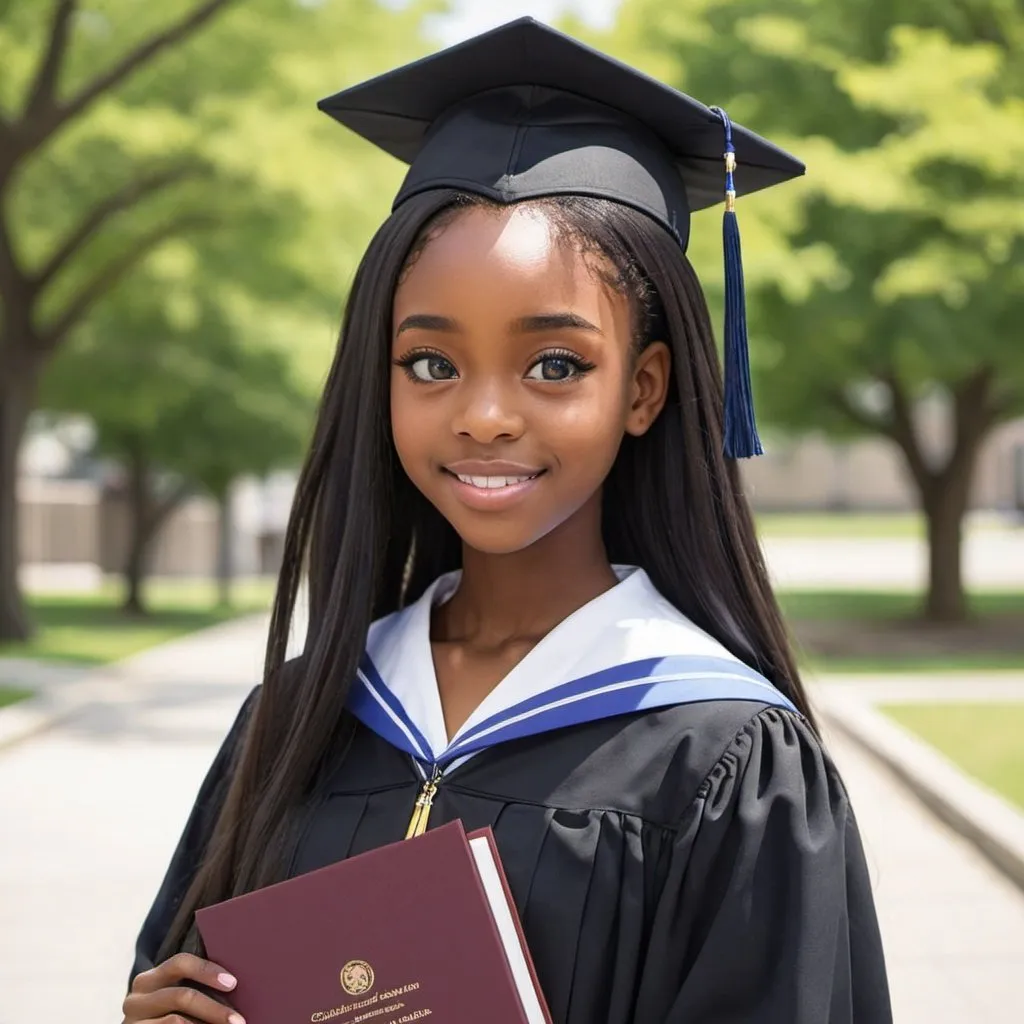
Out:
{"x": 499, "y": 539}
{"x": 493, "y": 533}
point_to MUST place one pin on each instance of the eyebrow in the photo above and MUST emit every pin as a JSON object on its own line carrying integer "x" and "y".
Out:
{"x": 538, "y": 324}
{"x": 427, "y": 322}
{"x": 553, "y": 322}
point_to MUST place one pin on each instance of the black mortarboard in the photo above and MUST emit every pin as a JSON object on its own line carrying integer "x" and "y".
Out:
{"x": 525, "y": 111}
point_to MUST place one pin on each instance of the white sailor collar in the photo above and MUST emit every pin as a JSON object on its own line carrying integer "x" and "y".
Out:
{"x": 626, "y": 650}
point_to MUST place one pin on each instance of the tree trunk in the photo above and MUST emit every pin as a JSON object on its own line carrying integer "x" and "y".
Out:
{"x": 944, "y": 509}
{"x": 17, "y": 387}
{"x": 140, "y": 532}
{"x": 225, "y": 563}
{"x": 944, "y": 491}
{"x": 148, "y": 511}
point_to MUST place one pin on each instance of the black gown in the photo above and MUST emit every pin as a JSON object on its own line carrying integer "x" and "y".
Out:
{"x": 696, "y": 864}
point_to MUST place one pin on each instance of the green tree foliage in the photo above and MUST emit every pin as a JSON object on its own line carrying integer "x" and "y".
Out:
{"x": 127, "y": 127}
{"x": 185, "y": 398}
{"x": 895, "y": 270}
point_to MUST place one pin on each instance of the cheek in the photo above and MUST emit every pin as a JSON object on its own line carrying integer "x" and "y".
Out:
{"x": 581, "y": 422}
{"x": 410, "y": 426}
{"x": 611, "y": 395}
{"x": 592, "y": 421}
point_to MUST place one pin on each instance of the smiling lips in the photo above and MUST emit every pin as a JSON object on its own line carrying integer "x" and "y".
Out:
{"x": 489, "y": 485}
{"x": 492, "y": 482}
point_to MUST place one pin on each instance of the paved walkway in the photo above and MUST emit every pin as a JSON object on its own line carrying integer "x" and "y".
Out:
{"x": 939, "y": 688}
{"x": 953, "y": 926}
{"x": 91, "y": 810}
{"x": 992, "y": 560}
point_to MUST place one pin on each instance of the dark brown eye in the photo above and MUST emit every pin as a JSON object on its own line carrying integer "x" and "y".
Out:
{"x": 431, "y": 368}
{"x": 556, "y": 368}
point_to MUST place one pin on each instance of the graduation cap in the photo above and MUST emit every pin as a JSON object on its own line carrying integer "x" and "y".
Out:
{"x": 524, "y": 111}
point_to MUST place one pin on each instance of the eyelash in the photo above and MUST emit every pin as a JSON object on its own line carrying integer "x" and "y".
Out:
{"x": 580, "y": 365}
{"x": 410, "y": 359}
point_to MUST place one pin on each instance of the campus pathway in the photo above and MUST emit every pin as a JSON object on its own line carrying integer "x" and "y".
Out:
{"x": 993, "y": 559}
{"x": 953, "y": 926}
{"x": 90, "y": 811}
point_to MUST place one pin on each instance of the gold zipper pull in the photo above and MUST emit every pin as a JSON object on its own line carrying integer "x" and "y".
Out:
{"x": 421, "y": 811}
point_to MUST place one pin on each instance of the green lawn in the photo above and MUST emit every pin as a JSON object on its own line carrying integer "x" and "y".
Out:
{"x": 914, "y": 664}
{"x": 884, "y": 604}
{"x": 90, "y": 628}
{"x": 812, "y": 525}
{"x": 877, "y": 632}
{"x": 839, "y": 524}
{"x": 986, "y": 740}
{"x": 11, "y": 695}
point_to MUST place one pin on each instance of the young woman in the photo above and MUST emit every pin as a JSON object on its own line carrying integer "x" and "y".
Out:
{"x": 537, "y": 601}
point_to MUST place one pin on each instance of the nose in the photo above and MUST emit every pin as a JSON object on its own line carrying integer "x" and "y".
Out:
{"x": 488, "y": 415}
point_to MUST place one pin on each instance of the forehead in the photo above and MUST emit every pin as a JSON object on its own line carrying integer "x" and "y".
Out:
{"x": 511, "y": 248}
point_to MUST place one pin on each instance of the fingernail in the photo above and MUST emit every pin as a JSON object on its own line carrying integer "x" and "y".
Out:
{"x": 228, "y": 981}
{"x": 236, "y": 1018}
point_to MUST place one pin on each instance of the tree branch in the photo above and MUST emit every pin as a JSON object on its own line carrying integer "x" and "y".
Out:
{"x": 861, "y": 417}
{"x": 974, "y": 415}
{"x": 904, "y": 432}
{"x": 898, "y": 426}
{"x": 163, "y": 507}
{"x": 157, "y": 510}
{"x": 877, "y": 424}
{"x": 12, "y": 278}
{"x": 132, "y": 61}
{"x": 123, "y": 199}
{"x": 106, "y": 278}
{"x": 1006, "y": 405}
{"x": 42, "y": 93}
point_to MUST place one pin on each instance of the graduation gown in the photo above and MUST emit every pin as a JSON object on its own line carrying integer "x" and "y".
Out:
{"x": 691, "y": 860}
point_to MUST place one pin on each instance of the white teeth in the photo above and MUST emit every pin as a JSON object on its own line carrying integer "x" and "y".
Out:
{"x": 492, "y": 482}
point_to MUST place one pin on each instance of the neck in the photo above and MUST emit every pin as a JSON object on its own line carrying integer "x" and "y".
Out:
{"x": 525, "y": 594}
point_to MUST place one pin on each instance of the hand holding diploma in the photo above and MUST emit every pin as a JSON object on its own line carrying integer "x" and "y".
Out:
{"x": 158, "y": 997}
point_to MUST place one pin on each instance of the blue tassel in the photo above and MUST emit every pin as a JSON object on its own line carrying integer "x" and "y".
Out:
{"x": 741, "y": 440}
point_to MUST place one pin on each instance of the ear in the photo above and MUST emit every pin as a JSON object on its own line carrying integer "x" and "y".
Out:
{"x": 649, "y": 387}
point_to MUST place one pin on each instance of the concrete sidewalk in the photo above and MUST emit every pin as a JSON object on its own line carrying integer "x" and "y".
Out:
{"x": 953, "y": 926}
{"x": 992, "y": 560}
{"x": 998, "y": 686}
{"x": 63, "y": 691}
{"x": 91, "y": 810}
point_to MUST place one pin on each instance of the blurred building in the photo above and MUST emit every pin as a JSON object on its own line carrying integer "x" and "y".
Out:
{"x": 73, "y": 516}
{"x": 815, "y": 473}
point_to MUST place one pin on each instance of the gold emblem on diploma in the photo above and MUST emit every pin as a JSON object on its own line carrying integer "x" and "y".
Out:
{"x": 357, "y": 977}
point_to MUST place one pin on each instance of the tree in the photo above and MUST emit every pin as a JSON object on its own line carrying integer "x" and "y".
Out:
{"x": 126, "y": 125}
{"x": 27, "y": 336}
{"x": 248, "y": 417}
{"x": 182, "y": 407}
{"x": 895, "y": 271}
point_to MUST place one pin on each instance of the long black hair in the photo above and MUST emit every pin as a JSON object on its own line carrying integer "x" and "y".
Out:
{"x": 367, "y": 541}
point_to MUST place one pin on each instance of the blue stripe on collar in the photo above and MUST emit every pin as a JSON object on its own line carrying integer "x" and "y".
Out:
{"x": 635, "y": 686}
{"x": 624, "y": 688}
{"x": 379, "y": 709}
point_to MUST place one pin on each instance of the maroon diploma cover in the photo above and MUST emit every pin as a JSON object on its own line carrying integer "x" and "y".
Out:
{"x": 424, "y": 929}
